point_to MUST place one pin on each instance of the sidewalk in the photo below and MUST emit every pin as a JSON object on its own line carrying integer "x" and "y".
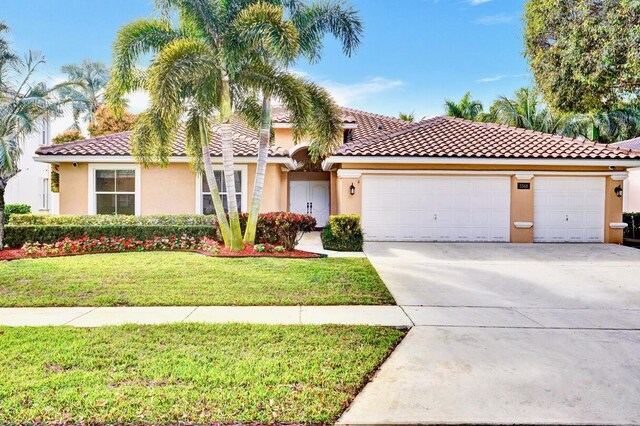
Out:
{"x": 392, "y": 316}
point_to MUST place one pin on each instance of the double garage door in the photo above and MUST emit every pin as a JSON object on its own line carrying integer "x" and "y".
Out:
{"x": 478, "y": 208}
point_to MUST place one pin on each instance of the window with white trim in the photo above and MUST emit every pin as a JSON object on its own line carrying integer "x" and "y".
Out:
{"x": 115, "y": 191}
{"x": 207, "y": 202}
{"x": 43, "y": 194}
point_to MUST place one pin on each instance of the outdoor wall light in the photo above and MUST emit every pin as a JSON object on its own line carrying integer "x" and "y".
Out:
{"x": 618, "y": 191}
{"x": 352, "y": 189}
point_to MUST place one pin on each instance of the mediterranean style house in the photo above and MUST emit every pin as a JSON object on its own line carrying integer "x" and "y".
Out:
{"x": 632, "y": 184}
{"x": 440, "y": 179}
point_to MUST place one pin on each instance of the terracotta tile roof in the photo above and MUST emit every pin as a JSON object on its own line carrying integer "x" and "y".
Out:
{"x": 245, "y": 138}
{"x": 632, "y": 144}
{"x": 245, "y": 144}
{"x": 281, "y": 115}
{"x": 453, "y": 137}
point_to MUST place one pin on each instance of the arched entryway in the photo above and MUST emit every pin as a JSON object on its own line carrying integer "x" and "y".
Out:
{"x": 309, "y": 187}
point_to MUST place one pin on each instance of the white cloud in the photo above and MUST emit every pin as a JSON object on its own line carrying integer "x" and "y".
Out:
{"x": 478, "y": 2}
{"x": 499, "y": 77}
{"x": 138, "y": 101}
{"x": 500, "y": 18}
{"x": 347, "y": 94}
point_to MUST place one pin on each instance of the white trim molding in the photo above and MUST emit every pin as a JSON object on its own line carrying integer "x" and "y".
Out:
{"x": 523, "y": 225}
{"x": 524, "y": 176}
{"x": 483, "y": 161}
{"x": 619, "y": 175}
{"x": 349, "y": 174}
{"x": 618, "y": 225}
{"x": 244, "y": 187}
{"x": 91, "y": 196}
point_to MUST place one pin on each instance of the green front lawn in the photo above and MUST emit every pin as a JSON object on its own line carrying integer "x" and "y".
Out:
{"x": 188, "y": 279}
{"x": 185, "y": 373}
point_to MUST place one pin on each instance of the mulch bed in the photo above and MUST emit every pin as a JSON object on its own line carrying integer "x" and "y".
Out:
{"x": 248, "y": 251}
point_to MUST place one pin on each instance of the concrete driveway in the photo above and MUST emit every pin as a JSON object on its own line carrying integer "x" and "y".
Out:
{"x": 509, "y": 334}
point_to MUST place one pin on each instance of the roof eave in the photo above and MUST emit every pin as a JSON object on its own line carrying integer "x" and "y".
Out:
{"x": 346, "y": 159}
{"x": 130, "y": 159}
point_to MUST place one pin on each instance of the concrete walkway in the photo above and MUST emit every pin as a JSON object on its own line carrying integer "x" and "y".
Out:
{"x": 392, "y": 316}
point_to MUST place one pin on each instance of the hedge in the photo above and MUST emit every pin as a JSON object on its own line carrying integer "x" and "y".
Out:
{"x": 100, "y": 220}
{"x": 15, "y": 210}
{"x": 17, "y": 235}
{"x": 279, "y": 228}
{"x": 633, "y": 230}
{"x": 343, "y": 233}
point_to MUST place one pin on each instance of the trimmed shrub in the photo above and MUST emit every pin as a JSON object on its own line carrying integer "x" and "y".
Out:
{"x": 633, "y": 230}
{"x": 101, "y": 220}
{"x": 279, "y": 228}
{"x": 15, "y": 209}
{"x": 343, "y": 233}
{"x": 18, "y": 235}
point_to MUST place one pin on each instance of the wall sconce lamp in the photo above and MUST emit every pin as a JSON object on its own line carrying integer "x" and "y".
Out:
{"x": 352, "y": 189}
{"x": 618, "y": 191}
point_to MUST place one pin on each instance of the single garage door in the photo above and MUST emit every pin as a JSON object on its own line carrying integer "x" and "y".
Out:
{"x": 568, "y": 209}
{"x": 429, "y": 208}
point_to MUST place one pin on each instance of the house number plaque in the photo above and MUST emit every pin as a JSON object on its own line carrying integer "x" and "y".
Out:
{"x": 524, "y": 185}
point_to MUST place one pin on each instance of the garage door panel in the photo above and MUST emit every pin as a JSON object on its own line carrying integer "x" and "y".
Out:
{"x": 569, "y": 209}
{"x": 436, "y": 208}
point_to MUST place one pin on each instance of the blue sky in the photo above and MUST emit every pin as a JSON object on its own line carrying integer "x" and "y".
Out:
{"x": 414, "y": 55}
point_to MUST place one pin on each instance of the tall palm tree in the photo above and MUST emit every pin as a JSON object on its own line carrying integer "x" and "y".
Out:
{"x": 88, "y": 94}
{"x": 526, "y": 110}
{"x": 606, "y": 126}
{"x": 467, "y": 108}
{"x": 207, "y": 68}
{"x": 322, "y": 124}
{"x": 23, "y": 104}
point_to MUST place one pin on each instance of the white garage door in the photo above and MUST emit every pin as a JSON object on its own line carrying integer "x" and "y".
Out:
{"x": 568, "y": 209}
{"x": 429, "y": 208}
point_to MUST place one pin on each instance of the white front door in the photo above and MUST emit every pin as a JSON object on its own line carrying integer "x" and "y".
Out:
{"x": 310, "y": 197}
{"x": 435, "y": 208}
{"x": 568, "y": 209}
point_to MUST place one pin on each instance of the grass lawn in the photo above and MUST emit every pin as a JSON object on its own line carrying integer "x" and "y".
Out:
{"x": 187, "y": 373}
{"x": 172, "y": 279}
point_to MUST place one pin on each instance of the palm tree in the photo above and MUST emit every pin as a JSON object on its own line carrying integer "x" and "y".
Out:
{"x": 407, "y": 116}
{"x": 322, "y": 123}
{"x": 23, "y": 105}
{"x": 467, "y": 108}
{"x": 606, "y": 126}
{"x": 207, "y": 67}
{"x": 526, "y": 111}
{"x": 88, "y": 94}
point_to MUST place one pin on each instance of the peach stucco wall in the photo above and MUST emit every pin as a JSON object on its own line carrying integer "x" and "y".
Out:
{"x": 74, "y": 191}
{"x": 521, "y": 210}
{"x": 612, "y": 212}
{"x": 170, "y": 190}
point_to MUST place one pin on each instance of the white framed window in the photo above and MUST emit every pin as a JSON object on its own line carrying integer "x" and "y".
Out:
{"x": 43, "y": 194}
{"x": 114, "y": 189}
{"x": 204, "y": 203}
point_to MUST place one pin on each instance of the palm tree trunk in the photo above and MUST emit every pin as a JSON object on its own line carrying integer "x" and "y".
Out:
{"x": 221, "y": 216}
{"x": 229, "y": 169}
{"x": 261, "y": 168}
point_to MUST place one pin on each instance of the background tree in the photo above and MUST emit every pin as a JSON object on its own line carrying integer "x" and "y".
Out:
{"x": 23, "y": 105}
{"x": 584, "y": 54}
{"x": 527, "y": 111}
{"x": 106, "y": 122}
{"x": 67, "y": 136}
{"x": 88, "y": 94}
{"x": 407, "y": 116}
{"x": 467, "y": 108}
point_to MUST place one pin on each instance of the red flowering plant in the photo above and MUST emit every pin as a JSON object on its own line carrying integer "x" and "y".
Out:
{"x": 115, "y": 245}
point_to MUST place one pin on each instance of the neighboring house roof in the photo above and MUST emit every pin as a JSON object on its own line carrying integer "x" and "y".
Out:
{"x": 453, "y": 137}
{"x": 633, "y": 144}
{"x": 245, "y": 138}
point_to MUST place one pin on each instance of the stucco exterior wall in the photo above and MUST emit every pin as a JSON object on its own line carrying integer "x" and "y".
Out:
{"x": 521, "y": 210}
{"x": 612, "y": 212}
{"x": 170, "y": 190}
{"x": 74, "y": 191}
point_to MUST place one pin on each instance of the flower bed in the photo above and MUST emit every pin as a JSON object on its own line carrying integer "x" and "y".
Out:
{"x": 203, "y": 245}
